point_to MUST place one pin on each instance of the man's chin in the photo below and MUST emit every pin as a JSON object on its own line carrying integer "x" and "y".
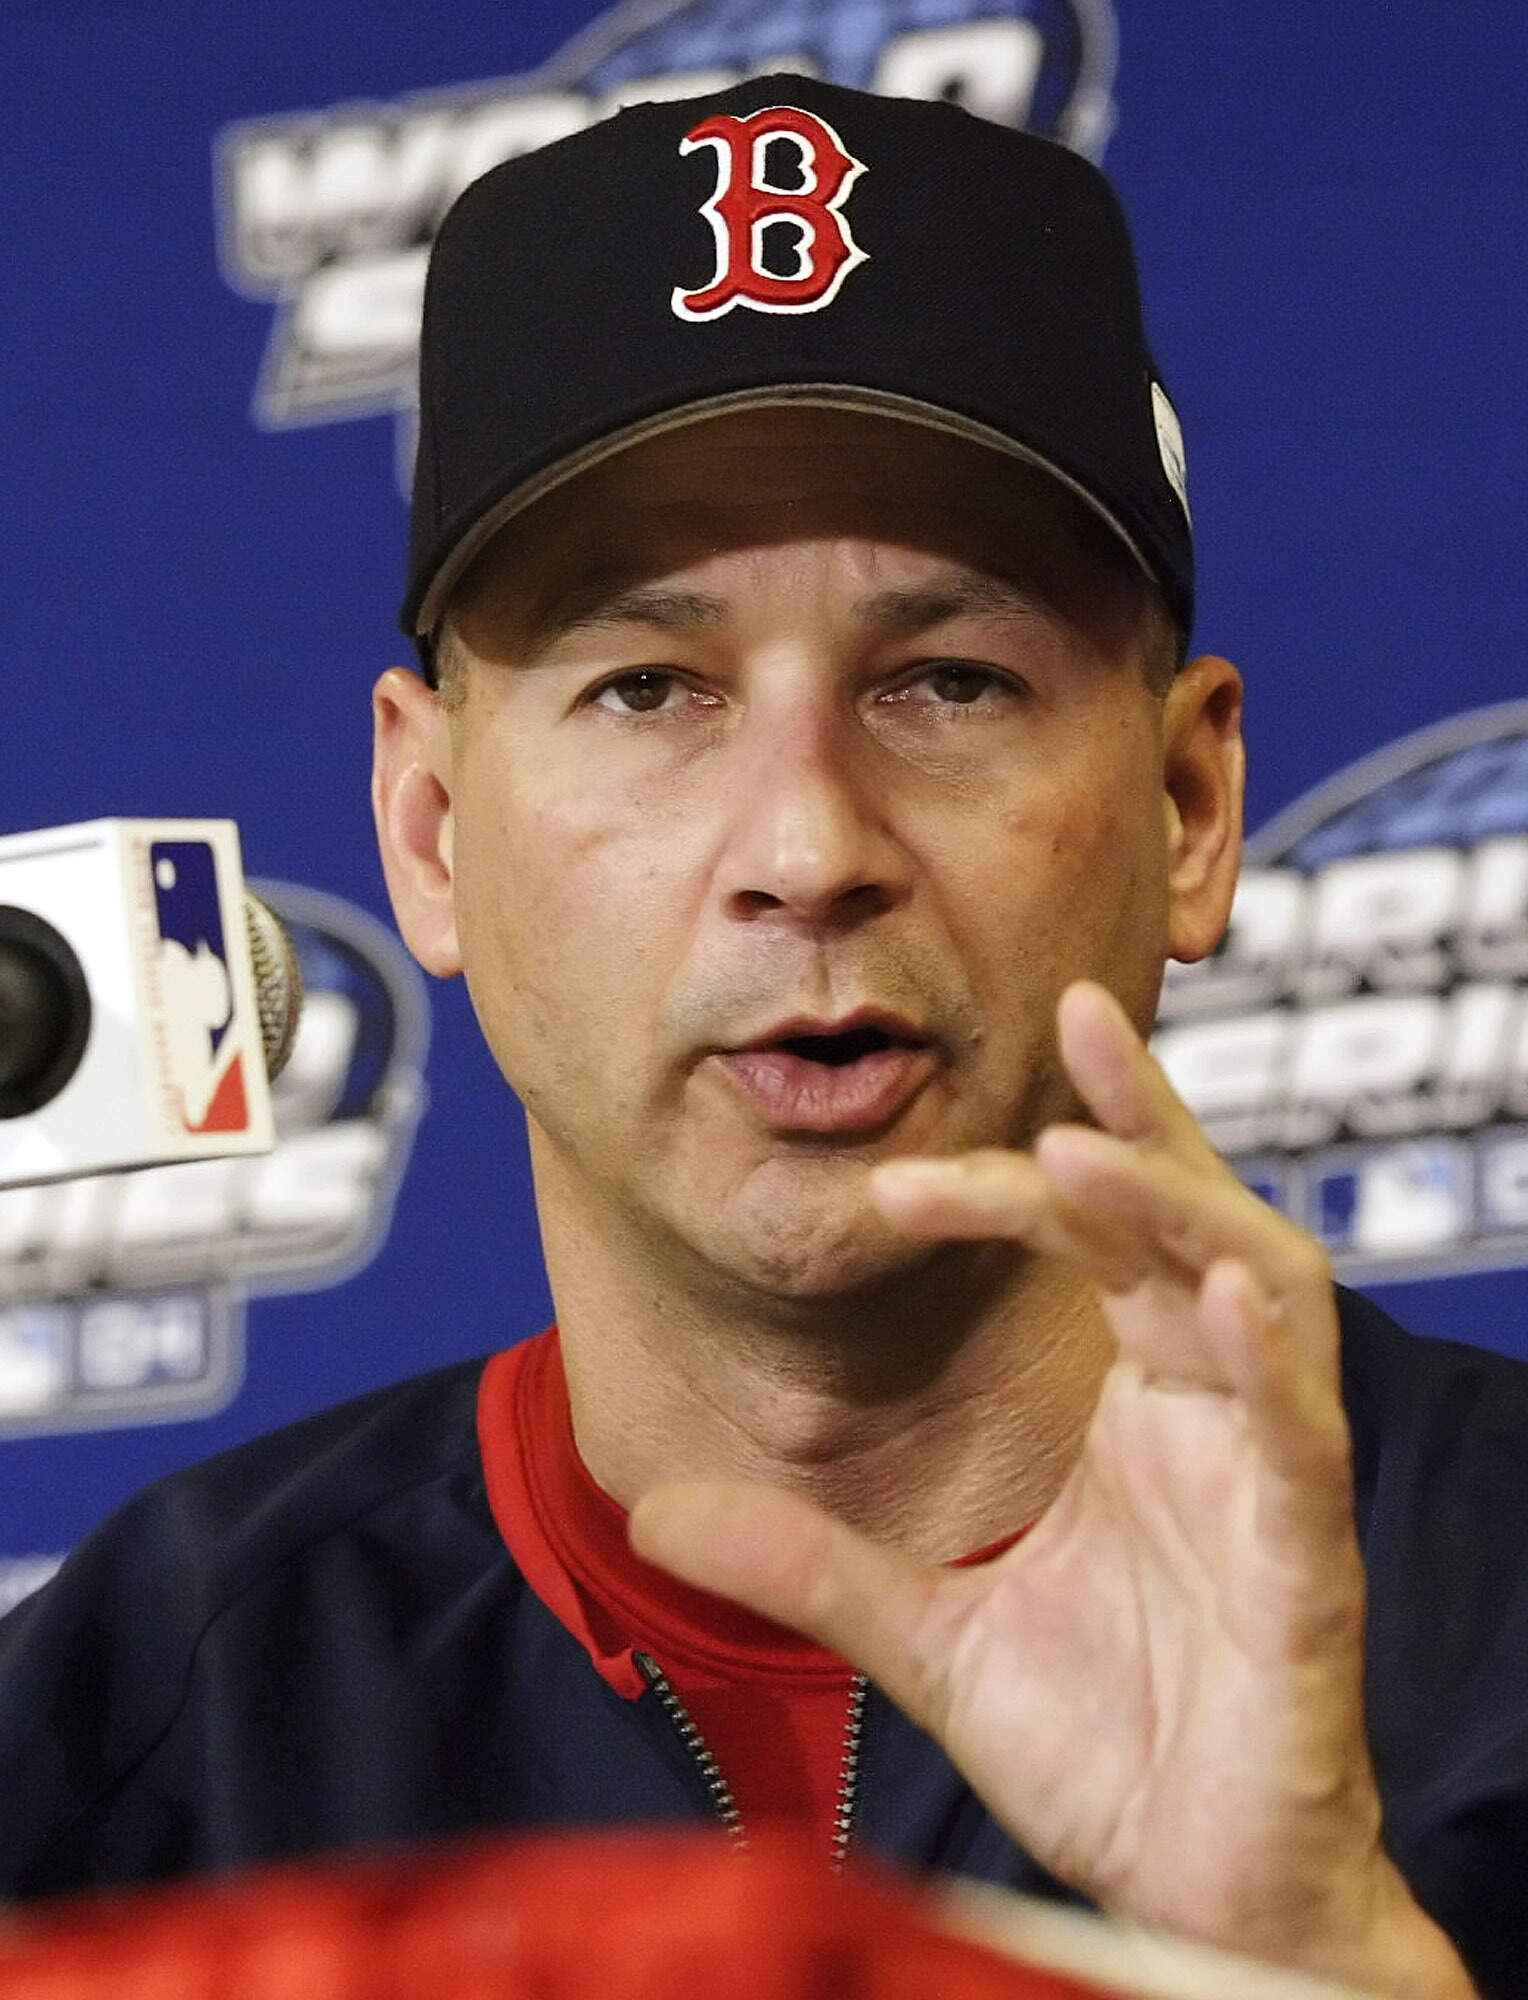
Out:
{"x": 826, "y": 1274}
{"x": 806, "y": 1254}
{"x": 797, "y": 1226}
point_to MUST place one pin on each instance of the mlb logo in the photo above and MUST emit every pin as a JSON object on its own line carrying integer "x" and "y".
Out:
{"x": 172, "y": 1066}
{"x": 198, "y": 1020}
{"x": 199, "y": 997}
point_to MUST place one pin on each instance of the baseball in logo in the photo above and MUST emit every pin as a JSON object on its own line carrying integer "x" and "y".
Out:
{"x": 752, "y": 215}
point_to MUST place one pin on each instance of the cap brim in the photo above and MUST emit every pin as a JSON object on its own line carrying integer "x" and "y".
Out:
{"x": 813, "y": 395}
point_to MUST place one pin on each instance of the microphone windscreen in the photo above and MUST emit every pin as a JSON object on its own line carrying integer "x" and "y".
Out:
{"x": 278, "y": 981}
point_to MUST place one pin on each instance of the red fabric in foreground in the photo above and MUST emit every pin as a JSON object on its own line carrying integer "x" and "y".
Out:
{"x": 603, "y": 1917}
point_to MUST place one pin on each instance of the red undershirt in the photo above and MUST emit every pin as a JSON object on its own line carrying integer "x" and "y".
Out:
{"x": 771, "y": 1705}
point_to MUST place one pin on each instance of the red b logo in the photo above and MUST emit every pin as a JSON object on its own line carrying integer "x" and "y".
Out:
{"x": 746, "y": 203}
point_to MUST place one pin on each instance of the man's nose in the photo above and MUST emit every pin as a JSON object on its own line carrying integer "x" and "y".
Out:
{"x": 807, "y": 832}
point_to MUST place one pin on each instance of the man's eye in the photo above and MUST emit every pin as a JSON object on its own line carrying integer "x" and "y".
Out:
{"x": 641, "y": 692}
{"x": 956, "y": 683}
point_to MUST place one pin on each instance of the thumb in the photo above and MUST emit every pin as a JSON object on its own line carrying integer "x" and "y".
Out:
{"x": 791, "y": 1561}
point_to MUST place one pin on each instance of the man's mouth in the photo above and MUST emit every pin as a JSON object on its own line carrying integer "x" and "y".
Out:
{"x": 847, "y": 1046}
{"x": 849, "y": 1078}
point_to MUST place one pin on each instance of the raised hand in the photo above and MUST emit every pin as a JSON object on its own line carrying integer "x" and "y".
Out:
{"x": 1158, "y": 1691}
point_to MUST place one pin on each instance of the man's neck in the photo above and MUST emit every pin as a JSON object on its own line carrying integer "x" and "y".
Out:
{"x": 940, "y": 1411}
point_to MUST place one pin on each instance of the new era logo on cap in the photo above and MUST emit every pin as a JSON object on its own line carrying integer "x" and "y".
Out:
{"x": 749, "y": 212}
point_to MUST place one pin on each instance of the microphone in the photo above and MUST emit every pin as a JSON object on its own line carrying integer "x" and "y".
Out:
{"x": 45, "y": 1002}
{"x": 278, "y": 982}
{"x": 146, "y": 999}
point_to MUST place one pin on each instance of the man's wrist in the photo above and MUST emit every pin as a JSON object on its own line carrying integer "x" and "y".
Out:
{"x": 1366, "y": 1935}
{"x": 1399, "y": 1952}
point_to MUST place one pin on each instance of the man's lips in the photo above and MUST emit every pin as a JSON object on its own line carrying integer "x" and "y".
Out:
{"x": 850, "y": 1075}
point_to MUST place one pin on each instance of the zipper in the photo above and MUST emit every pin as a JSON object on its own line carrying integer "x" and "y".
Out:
{"x": 721, "y": 1795}
{"x": 849, "y": 1764}
{"x": 695, "y": 1743}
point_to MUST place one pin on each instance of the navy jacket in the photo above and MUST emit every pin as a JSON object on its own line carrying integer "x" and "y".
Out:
{"x": 319, "y": 1640}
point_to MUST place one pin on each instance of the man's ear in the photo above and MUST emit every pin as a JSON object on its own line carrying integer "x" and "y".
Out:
{"x": 1204, "y": 770}
{"x": 411, "y": 799}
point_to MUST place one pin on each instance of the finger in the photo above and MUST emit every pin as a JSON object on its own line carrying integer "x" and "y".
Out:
{"x": 790, "y": 1561}
{"x": 1196, "y": 1217}
{"x": 984, "y": 1193}
{"x": 1116, "y": 1075}
{"x": 1295, "y": 1416}
{"x": 1250, "y": 1334}
{"x": 993, "y": 1194}
{"x": 1197, "y": 1213}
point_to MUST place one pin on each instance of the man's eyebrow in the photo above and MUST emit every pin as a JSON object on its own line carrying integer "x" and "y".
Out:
{"x": 597, "y": 605}
{"x": 962, "y": 596}
{"x": 603, "y": 603}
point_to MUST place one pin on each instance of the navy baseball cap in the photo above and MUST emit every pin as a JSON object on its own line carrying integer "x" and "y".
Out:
{"x": 786, "y": 240}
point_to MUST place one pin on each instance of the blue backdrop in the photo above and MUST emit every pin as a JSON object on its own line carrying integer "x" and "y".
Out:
{"x": 214, "y": 242}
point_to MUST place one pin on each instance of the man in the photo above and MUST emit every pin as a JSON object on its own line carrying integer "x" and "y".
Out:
{"x": 809, "y": 783}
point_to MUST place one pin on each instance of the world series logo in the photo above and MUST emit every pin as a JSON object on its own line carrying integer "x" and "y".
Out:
{"x": 328, "y": 215}
{"x": 1358, "y": 1046}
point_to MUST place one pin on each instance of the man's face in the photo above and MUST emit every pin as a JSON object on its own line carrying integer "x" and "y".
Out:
{"x": 771, "y": 720}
